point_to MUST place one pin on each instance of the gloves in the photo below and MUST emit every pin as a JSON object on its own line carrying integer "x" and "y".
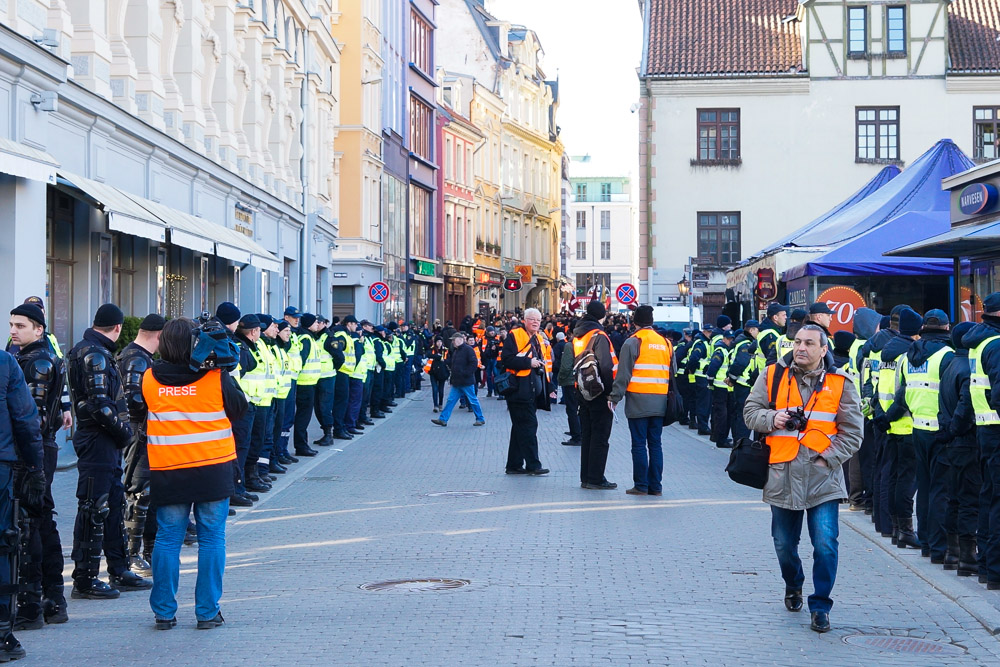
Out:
{"x": 33, "y": 490}
{"x": 866, "y": 407}
{"x": 881, "y": 422}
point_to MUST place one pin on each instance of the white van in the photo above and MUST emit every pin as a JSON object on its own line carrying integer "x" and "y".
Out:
{"x": 675, "y": 318}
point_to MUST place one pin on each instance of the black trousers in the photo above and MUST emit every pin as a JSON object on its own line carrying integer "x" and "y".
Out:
{"x": 703, "y": 402}
{"x": 304, "y": 398}
{"x": 932, "y": 490}
{"x": 105, "y": 482}
{"x": 690, "y": 404}
{"x": 46, "y": 568}
{"x": 738, "y": 398}
{"x": 366, "y": 397}
{"x": 522, "y": 450}
{"x": 880, "y": 484}
{"x": 572, "y": 412}
{"x": 323, "y": 402}
{"x": 341, "y": 394}
{"x": 903, "y": 484}
{"x": 260, "y": 436}
{"x": 388, "y": 387}
{"x": 965, "y": 478}
{"x": 721, "y": 400}
{"x": 860, "y": 468}
{"x": 595, "y": 431}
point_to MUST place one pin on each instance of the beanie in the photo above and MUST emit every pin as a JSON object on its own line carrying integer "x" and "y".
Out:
{"x": 249, "y": 321}
{"x": 909, "y": 322}
{"x": 643, "y": 316}
{"x": 108, "y": 315}
{"x": 227, "y": 312}
{"x": 991, "y": 304}
{"x": 959, "y": 332}
{"x": 152, "y": 322}
{"x": 723, "y": 321}
{"x": 30, "y": 311}
{"x": 308, "y": 319}
{"x": 282, "y": 325}
{"x": 885, "y": 322}
{"x": 265, "y": 320}
{"x": 842, "y": 341}
{"x": 596, "y": 310}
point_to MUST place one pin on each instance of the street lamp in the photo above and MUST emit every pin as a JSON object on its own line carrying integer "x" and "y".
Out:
{"x": 682, "y": 286}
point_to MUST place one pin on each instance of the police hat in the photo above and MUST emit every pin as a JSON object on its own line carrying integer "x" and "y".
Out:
{"x": 292, "y": 311}
{"x": 249, "y": 321}
{"x": 820, "y": 308}
{"x": 350, "y": 319}
{"x": 265, "y": 320}
{"x": 751, "y": 324}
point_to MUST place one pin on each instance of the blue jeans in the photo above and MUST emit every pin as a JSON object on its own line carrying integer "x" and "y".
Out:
{"x": 647, "y": 471}
{"x": 490, "y": 373}
{"x": 172, "y": 522}
{"x": 462, "y": 392}
{"x": 824, "y": 529}
{"x": 437, "y": 392}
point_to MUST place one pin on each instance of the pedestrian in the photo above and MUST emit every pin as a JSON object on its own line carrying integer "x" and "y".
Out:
{"x": 491, "y": 352}
{"x": 20, "y": 447}
{"x": 643, "y": 380}
{"x": 527, "y": 355}
{"x": 596, "y": 413}
{"x": 102, "y": 433}
{"x": 567, "y": 381}
{"x": 813, "y": 420}
{"x": 438, "y": 372}
{"x": 191, "y": 449}
{"x": 462, "y": 362}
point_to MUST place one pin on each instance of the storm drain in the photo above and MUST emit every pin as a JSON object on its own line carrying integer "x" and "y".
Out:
{"x": 321, "y": 478}
{"x": 459, "y": 494}
{"x": 905, "y": 645}
{"x": 415, "y": 585}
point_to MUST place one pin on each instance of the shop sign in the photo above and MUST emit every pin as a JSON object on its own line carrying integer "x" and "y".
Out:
{"x": 425, "y": 268}
{"x": 244, "y": 220}
{"x": 339, "y": 274}
{"x": 844, "y": 302}
{"x": 972, "y": 306}
{"x": 977, "y": 198}
{"x": 524, "y": 270}
{"x": 766, "y": 287}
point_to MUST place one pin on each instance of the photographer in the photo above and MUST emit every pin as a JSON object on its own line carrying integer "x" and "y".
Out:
{"x": 190, "y": 449}
{"x": 813, "y": 417}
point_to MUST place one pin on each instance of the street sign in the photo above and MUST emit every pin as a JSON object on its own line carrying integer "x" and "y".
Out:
{"x": 626, "y": 293}
{"x": 512, "y": 284}
{"x": 700, "y": 276}
{"x": 378, "y": 292}
{"x": 668, "y": 299}
{"x": 701, "y": 283}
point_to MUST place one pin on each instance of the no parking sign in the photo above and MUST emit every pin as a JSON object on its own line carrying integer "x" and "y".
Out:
{"x": 626, "y": 294}
{"x": 378, "y": 292}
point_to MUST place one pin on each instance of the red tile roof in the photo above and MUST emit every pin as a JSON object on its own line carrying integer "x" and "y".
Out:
{"x": 704, "y": 38}
{"x": 973, "y": 29}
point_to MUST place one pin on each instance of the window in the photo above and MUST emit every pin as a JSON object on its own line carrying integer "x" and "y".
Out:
{"x": 581, "y": 192}
{"x": 605, "y": 219}
{"x": 718, "y": 135}
{"x": 605, "y": 249}
{"x": 857, "y": 30}
{"x": 581, "y": 219}
{"x": 446, "y": 95}
{"x": 719, "y": 237}
{"x": 449, "y": 158}
{"x": 421, "y": 128}
{"x": 896, "y": 29}
{"x": 420, "y": 201}
{"x": 420, "y": 44}
{"x": 605, "y": 192}
{"x": 878, "y": 133}
{"x": 986, "y": 140}
{"x": 265, "y": 291}
{"x": 581, "y": 250}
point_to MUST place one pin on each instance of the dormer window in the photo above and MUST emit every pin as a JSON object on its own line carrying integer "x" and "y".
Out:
{"x": 857, "y": 31}
{"x": 896, "y": 29}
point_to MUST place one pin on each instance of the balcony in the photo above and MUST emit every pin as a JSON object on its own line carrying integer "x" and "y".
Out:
{"x": 598, "y": 198}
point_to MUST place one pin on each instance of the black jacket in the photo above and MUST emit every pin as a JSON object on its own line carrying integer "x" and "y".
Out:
{"x": 133, "y": 362}
{"x": 956, "y": 417}
{"x": 602, "y": 350}
{"x": 491, "y": 348}
{"x": 919, "y": 352}
{"x": 45, "y": 374}
{"x": 20, "y": 437}
{"x": 989, "y": 356}
{"x": 894, "y": 350}
{"x": 205, "y": 483}
{"x": 743, "y": 357}
{"x": 96, "y": 386}
{"x": 701, "y": 348}
{"x": 872, "y": 346}
{"x": 463, "y": 363}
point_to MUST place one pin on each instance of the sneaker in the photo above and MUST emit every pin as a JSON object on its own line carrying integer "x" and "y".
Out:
{"x": 478, "y": 422}
{"x": 212, "y": 623}
{"x": 439, "y": 422}
{"x": 165, "y": 623}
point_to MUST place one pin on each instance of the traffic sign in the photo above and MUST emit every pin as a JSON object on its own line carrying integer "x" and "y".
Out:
{"x": 378, "y": 292}
{"x": 626, "y": 293}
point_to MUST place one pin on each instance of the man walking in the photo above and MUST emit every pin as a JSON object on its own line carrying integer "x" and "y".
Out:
{"x": 463, "y": 363}
{"x": 813, "y": 418}
{"x": 643, "y": 380}
{"x": 596, "y": 414}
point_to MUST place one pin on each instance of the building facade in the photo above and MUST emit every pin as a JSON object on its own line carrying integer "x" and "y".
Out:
{"x": 757, "y": 115}
{"x": 167, "y": 156}
{"x": 601, "y": 230}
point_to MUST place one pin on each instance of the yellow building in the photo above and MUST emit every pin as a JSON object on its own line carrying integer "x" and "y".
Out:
{"x": 487, "y": 113}
{"x": 357, "y": 260}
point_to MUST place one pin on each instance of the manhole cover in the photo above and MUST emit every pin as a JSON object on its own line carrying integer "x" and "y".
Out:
{"x": 321, "y": 478}
{"x": 459, "y": 494}
{"x": 904, "y": 645}
{"x": 415, "y": 585}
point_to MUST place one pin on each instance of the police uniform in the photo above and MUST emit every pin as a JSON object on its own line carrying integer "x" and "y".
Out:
{"x": 701, "y": 352}
{"x": 378, "y": 378}
{"x": 356, "y": 380}
{"x": 305, "y": 386}
{"x": 344, "y": 344}
{"x": 134, "y": 361}
{"x": 723, "y": 402}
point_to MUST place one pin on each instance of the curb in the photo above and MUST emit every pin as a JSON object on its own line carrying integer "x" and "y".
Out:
{"x": 966, "y": 594}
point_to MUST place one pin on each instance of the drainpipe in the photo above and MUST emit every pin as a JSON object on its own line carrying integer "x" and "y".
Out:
{"x": 304, "y": 258}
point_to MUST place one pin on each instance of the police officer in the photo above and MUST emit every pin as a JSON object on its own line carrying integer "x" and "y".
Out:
{"x": 742, "y": 374}
{"x": 356, "y": 379}
{"x": 368, "y": 336}
{"x": 771, "y": 329}
{"x": 266, "y": 464}
{"x": 681, "y": 351}
{"x": 390, "y": 353}
{"x": 20, "y": 445}
{"x": 260, "y": 389}
{"x": 134, "y": 360}
{"x": 697, "y": 361}
{"x": 380, "y": 349}
{"x": 342, "y": 338}
{"x": 290, "y": 363}
{"x": 723, "y": 402}
{"x": 296, "y": 349}
{"x": 229, "y": 315}
{"x": 331, "y": 357}
{"x": 861, "y": 467}
{"x": 43, "y": 599}
{"x": 783, "y": 346}
{"x": 306, "y": 383}
{"x": 103, "y": 432}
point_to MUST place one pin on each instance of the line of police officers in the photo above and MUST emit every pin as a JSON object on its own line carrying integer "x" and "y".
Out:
{"x": 932, "y": 423}
{"x": 346, "y": 373}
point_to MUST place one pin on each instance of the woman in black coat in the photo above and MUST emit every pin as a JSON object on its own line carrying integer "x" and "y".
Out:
{"x": 438, "y": 371}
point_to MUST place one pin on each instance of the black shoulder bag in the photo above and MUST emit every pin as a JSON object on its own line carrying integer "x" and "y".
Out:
{"x": 506, "y": 383}
{"x": 750, "y": 457}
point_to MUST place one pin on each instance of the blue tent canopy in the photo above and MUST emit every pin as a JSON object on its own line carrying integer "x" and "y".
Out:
{"x": 910, "y": 207}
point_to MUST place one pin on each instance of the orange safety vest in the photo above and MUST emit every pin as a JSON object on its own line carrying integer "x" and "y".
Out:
{"x": 187, "y": 426}
{"x": 523, "y": 348}
{"x": 651, "y": 371}
{"x": 821, "y": 412}
{"x": 580, "y": 344}
{"x": 479, "y": 357}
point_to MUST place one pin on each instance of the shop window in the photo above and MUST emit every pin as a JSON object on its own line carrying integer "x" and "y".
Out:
{"x": 986, "y": 133}
{"x": 286, "y": 287}
{"x": 857, "y": 31}
{"x": 203, "y": 286}
{"x": 719, "y": 237}
{"x": 896, "y": 30}
{"x": 877, "y": 131}
{"x": 718, "y": 135}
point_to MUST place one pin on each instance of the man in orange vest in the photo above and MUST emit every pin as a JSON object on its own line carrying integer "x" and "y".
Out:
{"x": 812, "y": 414}
{"x": 644, "y": 375}
{"x": 527, "y": 355}
{"x": 596, "y": 414}
{"x": 191, "y": 448}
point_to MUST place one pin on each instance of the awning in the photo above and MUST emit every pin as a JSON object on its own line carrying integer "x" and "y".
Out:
{"x": 124, "y": 213}
{"x": 962, "y": 241}
{"x": 231, "y": 242}
{"x": 17, "y": 159}
{"x": 186, "y": 230}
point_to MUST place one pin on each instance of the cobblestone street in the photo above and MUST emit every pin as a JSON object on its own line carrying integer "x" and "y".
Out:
{"x": 557, "y": 575}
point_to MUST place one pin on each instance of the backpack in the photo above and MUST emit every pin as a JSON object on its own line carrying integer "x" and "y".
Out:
{"x": 587, "y": 371}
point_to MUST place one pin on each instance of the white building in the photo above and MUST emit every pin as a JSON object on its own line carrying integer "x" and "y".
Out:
{"x": 758, "y": 115}
{"x": 600, "y": 239}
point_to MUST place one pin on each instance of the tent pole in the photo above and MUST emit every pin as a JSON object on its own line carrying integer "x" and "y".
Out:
{"x": 956, "y": 290}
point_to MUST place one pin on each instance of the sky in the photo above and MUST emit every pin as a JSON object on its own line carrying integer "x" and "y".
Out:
{"x": 595, "y": 47}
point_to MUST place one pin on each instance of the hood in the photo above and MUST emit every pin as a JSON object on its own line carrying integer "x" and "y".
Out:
{"x": 175, "y": 375}
{"x": 928, "y": 344}
{"x": 866, "y": 322}
{"x": 896, "y": 346}
{"x": 989, "y": 327}
{"x": 588, "y": 323}
{"x": 879, "y": 340}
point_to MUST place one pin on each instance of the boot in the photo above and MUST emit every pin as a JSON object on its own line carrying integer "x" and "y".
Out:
{"x": 86, "y": 588}
{"x": 327, "y": 438}
{"x": 906, "y": 538}
{"x": 951, "y": 555}
{"x": 968, "y": 562}
{"x": 895, "y": 530}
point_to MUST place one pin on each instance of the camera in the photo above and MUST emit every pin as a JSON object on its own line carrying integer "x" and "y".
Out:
{"x": 211, "y": 346}
{"x": 797, "y": 420}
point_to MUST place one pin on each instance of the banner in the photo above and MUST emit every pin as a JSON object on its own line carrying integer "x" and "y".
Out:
{"x": 844, "y": 302}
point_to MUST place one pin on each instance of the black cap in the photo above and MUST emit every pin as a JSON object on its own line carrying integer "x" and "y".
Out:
{"x": 820, "y": 308}
{"x": 775, "y": 308}
{"x": 596, "y": 310}
{"x": 108, "y": 315}
{"x": 227, "y": 312}
{"x": 292, "y": 311}
{"x": 265, "y": 320}
{"x": 249, "y": 321}
{"x": 798, "y": 315}
{"x": 334, "y": 320}
{"x": 35, "y": 301}
{"x": 152, "y": 322}
{"x": 350, "y": 319}
{"x": 282, "y": 325}
{"x": 31, "y": 311}
{"x": 991, "y": 304}
{"x": 308, "y": 319}
{"x": 391, "y": 326}
{"x": 366, "y": 323}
